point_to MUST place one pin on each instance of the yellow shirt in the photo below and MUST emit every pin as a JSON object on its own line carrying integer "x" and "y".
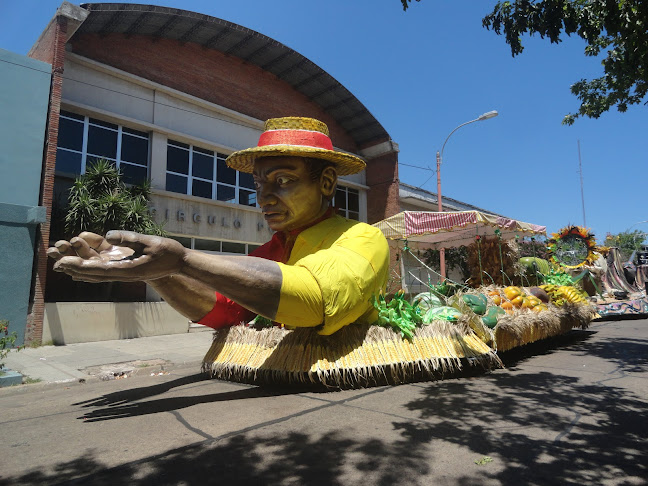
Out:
{"x": 334, "y": 269}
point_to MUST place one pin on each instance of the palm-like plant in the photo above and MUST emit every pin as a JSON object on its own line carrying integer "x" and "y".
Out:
{"x": 99, "y": 201}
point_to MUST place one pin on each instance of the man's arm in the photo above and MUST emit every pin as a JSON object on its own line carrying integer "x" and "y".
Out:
{"x": 254, "y": 283}
{"x": 178, "y": 274}
{"x": 188, "y": 296}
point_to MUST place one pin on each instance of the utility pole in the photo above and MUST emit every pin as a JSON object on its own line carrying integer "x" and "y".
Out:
{"x": 580, "y": 172}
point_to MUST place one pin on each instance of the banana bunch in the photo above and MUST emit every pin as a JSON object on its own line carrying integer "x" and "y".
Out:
{"x": 562, "y": 294}
{"x": 573, "y": 294}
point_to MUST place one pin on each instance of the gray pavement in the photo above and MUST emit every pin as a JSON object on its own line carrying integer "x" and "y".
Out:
{"x": 570, "y": 410}
{"x": 105, "y": 359}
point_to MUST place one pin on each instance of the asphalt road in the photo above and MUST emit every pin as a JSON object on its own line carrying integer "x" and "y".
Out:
{"x": 571, "y": 410}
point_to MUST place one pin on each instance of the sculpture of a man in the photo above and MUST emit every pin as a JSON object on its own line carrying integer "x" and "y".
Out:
{"x": 319, "y": 269}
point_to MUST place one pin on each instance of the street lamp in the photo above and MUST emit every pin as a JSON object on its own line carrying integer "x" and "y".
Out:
{"x": 485, "y": 116}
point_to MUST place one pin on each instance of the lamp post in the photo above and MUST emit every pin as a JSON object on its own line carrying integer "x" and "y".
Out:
{"x": 439, "y": 158}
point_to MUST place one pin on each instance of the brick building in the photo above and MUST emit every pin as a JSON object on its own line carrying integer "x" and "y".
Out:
{"x": 167, "y": 94}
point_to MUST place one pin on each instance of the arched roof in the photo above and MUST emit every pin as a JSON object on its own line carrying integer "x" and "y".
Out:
{"x": 302, "y": 74}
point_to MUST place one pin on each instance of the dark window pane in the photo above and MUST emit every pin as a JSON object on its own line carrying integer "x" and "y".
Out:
{"x": 207, "y": 245}
{"x": 135, "y": 132}
{"x": 70, "y": 134}
{"x": 354, "y": 200}
{"x": 177, "y": 160}
{"x": 133, "y": 174}
{"x": 225, "y": 193}
{"x": 247, "y": 198}
{"x": 229, "y": 247}
{"x": 340, "y": 199}
{"x": 203, "y": 151}
{"x": 69, "y": 162}
{"x": 134, "y": 149}
{"x": 251, "y": 248}
{"x": 225, "y": 174}
{"x": 186, "y": 242}
{"x": 90, "y": 161}
{"x": 102, "y": 142}
{"x": 203, "y": 166}
{"x": 201, "y": 188}
{"x": 246, "y": 180}
{"x": 353, "y": 215}
{"x": 72, "y": 115}
{"x": 94, "y": 121}
{"x": 178, "y": 144}
{"x": 176, "y": 183}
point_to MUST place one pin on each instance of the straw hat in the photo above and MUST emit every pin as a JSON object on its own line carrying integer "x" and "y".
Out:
{"x": 298, "y": 137}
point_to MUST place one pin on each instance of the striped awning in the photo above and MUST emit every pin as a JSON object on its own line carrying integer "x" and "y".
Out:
{"x": 444, "y": 230}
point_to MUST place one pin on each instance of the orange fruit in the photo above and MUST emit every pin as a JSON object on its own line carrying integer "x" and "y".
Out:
{"x": 529, "y": 303}
{"x": 517, "y": 301}
{"x": 512, "y": 292}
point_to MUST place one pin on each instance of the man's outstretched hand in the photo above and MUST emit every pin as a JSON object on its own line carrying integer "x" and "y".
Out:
{"x": 120, "y": 256}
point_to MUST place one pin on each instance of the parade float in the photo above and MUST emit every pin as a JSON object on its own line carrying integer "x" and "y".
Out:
{"x": 447, "y": 327}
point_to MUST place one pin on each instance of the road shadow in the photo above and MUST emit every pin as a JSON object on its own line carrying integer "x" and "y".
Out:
{"x": 520, "y": 355}
{"x": 129, "y": 408}
{"x": 131, "y": 395}
{"x": 544, "y": 428}
{"x": 288, "y": 458}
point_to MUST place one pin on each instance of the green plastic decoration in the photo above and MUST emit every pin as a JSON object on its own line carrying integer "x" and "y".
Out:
{"x": 443, "y": 313}
{"x": 398, "y": 313}
{"x": 492, "y": 315}
{"x": 477, "y": 303}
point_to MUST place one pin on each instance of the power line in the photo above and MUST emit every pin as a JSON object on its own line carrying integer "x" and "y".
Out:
{"x": 416, "y": 166}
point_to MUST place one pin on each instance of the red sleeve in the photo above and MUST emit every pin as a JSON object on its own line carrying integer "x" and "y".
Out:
{"x": 226, "y": 312}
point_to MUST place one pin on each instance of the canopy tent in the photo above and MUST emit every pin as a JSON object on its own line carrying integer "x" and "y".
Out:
{"x": 426, "y": 229}
{"x": 444, "y": 230}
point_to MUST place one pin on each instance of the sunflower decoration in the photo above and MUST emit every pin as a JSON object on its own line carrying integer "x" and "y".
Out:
{"x": 573, "y": 247}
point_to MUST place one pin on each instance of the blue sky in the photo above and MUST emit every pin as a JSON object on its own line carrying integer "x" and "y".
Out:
{"x": 425, "y": 71}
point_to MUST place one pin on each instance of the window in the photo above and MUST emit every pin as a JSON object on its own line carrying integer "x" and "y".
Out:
{"x": 204, "y": 173}
{"x": 216, "y": 246}
{"x": 83, "y": 139}
{"x": 347, "y": 202}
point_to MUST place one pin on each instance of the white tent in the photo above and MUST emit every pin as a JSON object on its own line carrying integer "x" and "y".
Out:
{"x": 426, "y": 229}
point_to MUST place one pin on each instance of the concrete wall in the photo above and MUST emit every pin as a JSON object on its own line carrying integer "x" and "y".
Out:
{"x": 82, "y": 322}
{"x": 23, "y": 111}
{"x": 208, "y": 75}
{"x": 194, "y": 216}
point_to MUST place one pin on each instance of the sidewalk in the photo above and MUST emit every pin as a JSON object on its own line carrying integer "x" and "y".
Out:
{"x": 110, "y": 359}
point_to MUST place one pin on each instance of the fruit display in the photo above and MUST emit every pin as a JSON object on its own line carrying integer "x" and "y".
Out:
{"x": 490, "y": 261}
{"x": 562, "y": 294}
{"x": 512, "y": 297}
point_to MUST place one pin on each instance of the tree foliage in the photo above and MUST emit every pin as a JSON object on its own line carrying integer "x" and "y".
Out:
{"x": 406, "y": 3}
{"x": 618, "y": 26}
{"x": 626, "y": 242}
{"x": 456, "y": 257}
{"x": 100, "y": 201}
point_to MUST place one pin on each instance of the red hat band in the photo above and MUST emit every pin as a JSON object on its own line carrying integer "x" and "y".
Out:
{"x": 302, "y": 138}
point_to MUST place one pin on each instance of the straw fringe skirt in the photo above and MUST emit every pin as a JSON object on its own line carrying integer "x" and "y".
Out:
{"x": 522, "y": 328}
{"x": 355, "y": 356}
{"x": 363, "y": 355}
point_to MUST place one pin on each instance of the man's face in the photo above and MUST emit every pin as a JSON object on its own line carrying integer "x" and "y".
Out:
{"x": 288, "y": 198}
